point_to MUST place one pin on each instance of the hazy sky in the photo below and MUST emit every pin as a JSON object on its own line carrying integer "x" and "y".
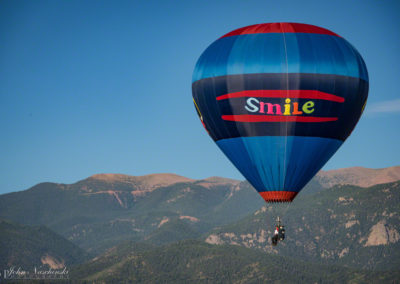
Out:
{"x": 92, "y": 87}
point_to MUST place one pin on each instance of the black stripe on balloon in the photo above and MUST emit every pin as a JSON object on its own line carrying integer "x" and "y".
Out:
{"x": 353, "y": 90}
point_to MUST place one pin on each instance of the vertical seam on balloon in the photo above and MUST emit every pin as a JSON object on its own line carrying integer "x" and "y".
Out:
{"x": 217, "y": 108}
{"x": 216, "y": 129}
{"x": 342, "y": 109}
{"x": 334, "y": 88}
{"x": 287, "y": 86}
{"x": 227, "y": 84}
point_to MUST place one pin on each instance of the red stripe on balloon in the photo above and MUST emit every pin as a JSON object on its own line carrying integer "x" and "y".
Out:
{"x": 276, "y": 118}
{"x": 280, "y": 28}
{"x": 296, "y": 94}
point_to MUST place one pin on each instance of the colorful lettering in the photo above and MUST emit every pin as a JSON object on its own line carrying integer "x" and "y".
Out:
{"x": 254, "y": 105}
{"x": 270, "y": 108}
{"x": 296, "y": 109}
{"x": 287, "y": 107}
{"x": 308, "y": 107}
{"x": 251, "y": 107}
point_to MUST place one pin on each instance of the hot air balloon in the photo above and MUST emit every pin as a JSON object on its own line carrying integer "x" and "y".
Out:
{"x": 279, "y": 99}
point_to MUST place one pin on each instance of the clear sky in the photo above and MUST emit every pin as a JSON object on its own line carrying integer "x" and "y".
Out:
{"x": 92, "y": 87}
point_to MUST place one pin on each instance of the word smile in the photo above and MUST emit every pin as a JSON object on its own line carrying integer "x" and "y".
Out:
{"x": 254, "y": 105}
{"x": 260, "y": 110}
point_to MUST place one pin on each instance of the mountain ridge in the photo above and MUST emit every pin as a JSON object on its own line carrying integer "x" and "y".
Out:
{"x": 359, "y": 176}
{"x": 150, "y": 180}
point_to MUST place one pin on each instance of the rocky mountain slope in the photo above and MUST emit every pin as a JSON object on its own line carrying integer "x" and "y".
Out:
{"x": 102, "y": 210}
{"x": 28, "y": 247}
{"x": 343, "y": 225}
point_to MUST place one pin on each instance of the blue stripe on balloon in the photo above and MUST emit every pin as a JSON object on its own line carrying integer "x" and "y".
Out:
{"x": 279, "y": 163}
{"x": 265, "y": 53}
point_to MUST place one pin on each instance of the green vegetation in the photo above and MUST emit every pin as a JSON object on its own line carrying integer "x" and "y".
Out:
{"x": 96, "y": 214}
{"x": 195, "y": 261}
{"x": 25, "y": 246}
{"x": 344, "y": 225}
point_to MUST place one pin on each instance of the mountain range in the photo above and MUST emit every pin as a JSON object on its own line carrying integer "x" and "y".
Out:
{"x": 347, "y": 217}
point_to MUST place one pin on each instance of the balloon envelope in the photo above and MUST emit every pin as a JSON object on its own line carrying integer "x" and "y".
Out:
{"x": 279, "y": 99}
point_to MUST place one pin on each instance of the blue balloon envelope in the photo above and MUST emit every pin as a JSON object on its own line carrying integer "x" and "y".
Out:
{"x": 279, "y": 99}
